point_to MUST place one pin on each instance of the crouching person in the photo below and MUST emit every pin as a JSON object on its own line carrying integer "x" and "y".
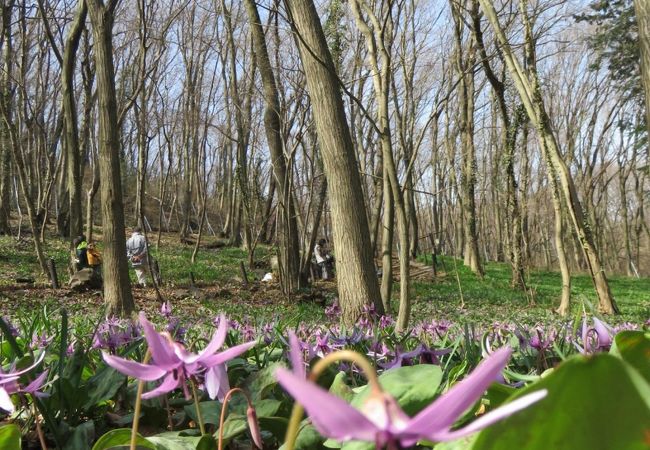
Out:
{"x": 136, "y": 252}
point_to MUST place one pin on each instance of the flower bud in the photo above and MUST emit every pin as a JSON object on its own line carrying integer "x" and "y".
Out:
{"x": 251, "y": 416}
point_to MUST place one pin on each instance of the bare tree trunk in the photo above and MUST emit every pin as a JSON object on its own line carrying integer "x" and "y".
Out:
{"x": 376, "y": 39}
{"x": 289, "y": 245}
{"x": 357, "y": 283}
{"x": 117, "y": 287}
{"x": 527, "y": 84}
{"x": 468, "y": 173}
{"x": 387, "y": 233}
{"x": 642, "y": 9}
{"x": 71, "y": 137}
{"x": 5, "y": 138}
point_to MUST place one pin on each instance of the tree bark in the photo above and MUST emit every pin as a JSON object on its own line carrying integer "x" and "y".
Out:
{"x": 289, "y": 245}
{"x": 527, "y": 84}
{"x": 642, "y": 10}
{"x": 117, "y": 287}
{"x": 71, "y": 136}
{"x": 357, "y": 282}
{"x": 5, "y": 139}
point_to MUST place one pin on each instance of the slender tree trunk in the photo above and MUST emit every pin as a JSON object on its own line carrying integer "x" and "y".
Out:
{"x": 5, "y": 139}
{"x": 117, "y": 287}
{"x": 71, "y": 136}
{"x": 387, "y": 245}
{"x": 289, "y": 245}
{"x": 357, "y": 282}
{"x": 463, "y": 65}
{"x": 375, "y": 38}
{"x": 527, "y": 84}
{"x": 642, "y": 9}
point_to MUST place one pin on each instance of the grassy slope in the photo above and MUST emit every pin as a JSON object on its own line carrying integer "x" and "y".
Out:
{"x": 486, "y": 300}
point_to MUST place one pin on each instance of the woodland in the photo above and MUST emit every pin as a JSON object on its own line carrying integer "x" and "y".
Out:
{"x": 479, "y": 170}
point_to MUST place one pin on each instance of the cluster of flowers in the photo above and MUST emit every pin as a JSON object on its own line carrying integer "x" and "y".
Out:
{"x": 380, "y": 420}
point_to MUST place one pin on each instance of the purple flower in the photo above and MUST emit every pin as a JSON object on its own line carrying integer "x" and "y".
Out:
{"x": 9, "y": 384}
{"x": 421, "y": 353}
{"x": 382, "y": 421}
{"x": 166, "y": 309}
{"x": 174, "y": 364}
{"x": 596, "y": 338}
{"x": 540, "y": 343}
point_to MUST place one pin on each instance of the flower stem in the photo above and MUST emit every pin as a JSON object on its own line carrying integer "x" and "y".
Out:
{"x": 39, "y": 430}
{"x": 198, "y": 408}
{"x": 138, "y": 402}
{"x": 222, "y": 418}
{"x": 319, "y": 367}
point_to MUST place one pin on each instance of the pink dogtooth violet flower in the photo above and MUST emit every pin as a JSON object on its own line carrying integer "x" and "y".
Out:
{"x": 596, "y": 338}
{"x": 172, "y": 363}
{"x": 9, "y": 384}
{"x": 382, "y": 421}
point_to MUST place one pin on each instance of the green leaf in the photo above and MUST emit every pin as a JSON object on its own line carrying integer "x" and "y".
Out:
{"x": 103, "y": 386}
{"x": 634, "y": 348}
{"x": 207, "y": 442}
{"x": 267, "y": 407}
{"x": 277, "y": 426}
{"x": 498, "y": 393}
{"x": 172, "y": 441}
{"x": 597, "y": 402}
{"x": 233, "y": 426}
{"x": 340, "y": 388}
{"x": 82, "y": 436}
{"x": 414, "y": 387}
{"x": 358, "y": 445}
{"x": 121, "y": 437}
{"x": 10, "y": 437}
{"x": 459, "y": 444}
{"x": 308, "y": 438}
{"x": 210, "y": 411}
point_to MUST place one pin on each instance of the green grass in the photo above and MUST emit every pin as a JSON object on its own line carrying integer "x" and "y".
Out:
{"x": 493, "y": 296}
{"x": 487, "y": 300}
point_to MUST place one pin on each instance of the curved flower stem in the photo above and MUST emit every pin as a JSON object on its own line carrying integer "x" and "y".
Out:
{"x": 222, "y": 418}
{"x": 138, "y": 402}
{"x": 319, "y": 367}
{"x": 198, "y": 409}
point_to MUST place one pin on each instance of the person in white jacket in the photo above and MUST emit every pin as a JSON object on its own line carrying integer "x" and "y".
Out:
{"x": 136, "y": 252}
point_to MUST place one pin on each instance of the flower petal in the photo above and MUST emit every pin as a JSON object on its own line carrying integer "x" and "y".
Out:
{"x": 442, "y": 413}
{"x": 216, "y": 382}
{"x": 146, "y": 372}
{"x": 331, "y": 415}
{"x": 215, "y": 344}
{"x": 162, "y": 351}
{"x": 35, "y": 385}
{"x": 5, "y": 401}
{"x": 493, "y": 416}
{"x": 170, "y": 382}
{"x": 295, "y": 355}
{"x": 228, "y": 354}
{"x": 604, "y": 334}
{"x": 25, "y": 370}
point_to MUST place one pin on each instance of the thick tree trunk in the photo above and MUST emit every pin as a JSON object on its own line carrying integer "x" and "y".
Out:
{"x": 117, "y": 287}
{"x": 357, "y": 282}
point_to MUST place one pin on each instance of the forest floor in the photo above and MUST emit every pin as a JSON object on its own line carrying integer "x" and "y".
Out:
{"x": 219, "y": 288}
